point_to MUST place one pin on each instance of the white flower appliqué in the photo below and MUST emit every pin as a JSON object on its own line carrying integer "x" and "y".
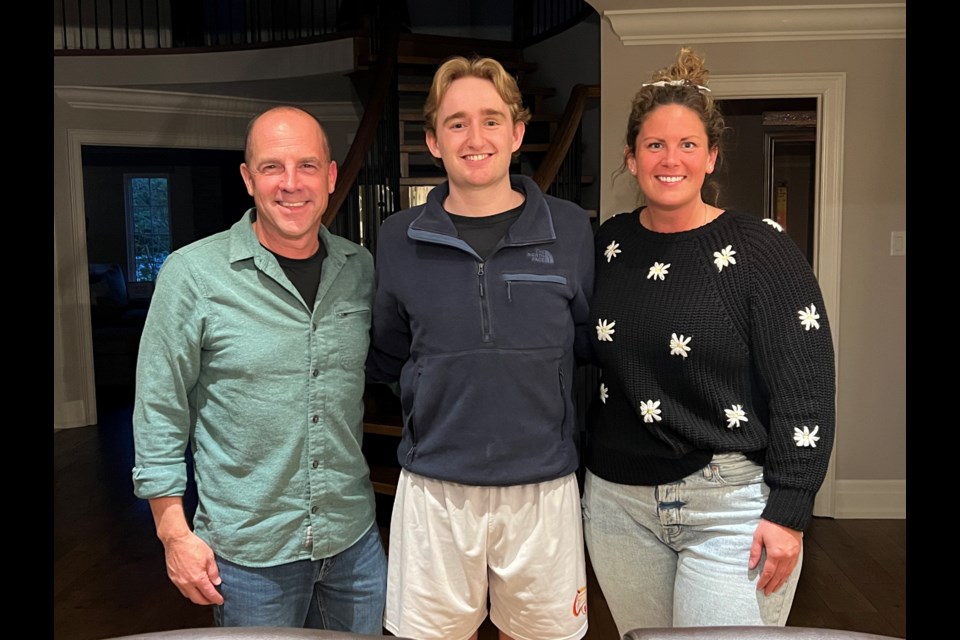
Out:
{"x": 724, "y": 257}
{"x": 650, "y": 410}
{"x": 809, "y": 317}
{"x": 773, "y": 223}
{"x": 735, "y": 415}
{"x": 678, "y": 345}
{"x": 658, "y": 271}
{"x": 806, "y": 438}
{"x": 605, "y": 331}
{"x": 612, "y": 250}
{"x": 603, "y": 393}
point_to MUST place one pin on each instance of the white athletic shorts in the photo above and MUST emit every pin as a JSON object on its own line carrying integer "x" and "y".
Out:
{"x": 450, "y": 543}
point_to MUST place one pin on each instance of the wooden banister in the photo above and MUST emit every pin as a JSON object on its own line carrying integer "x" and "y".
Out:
{"x": 563, "y": 138}
{"x": 384, "y": 79}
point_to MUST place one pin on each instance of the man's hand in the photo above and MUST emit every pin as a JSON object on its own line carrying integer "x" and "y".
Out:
{"x": 783, "y": 547}
{"x": 193, "y": 569}
{"x": 191, "y": 564}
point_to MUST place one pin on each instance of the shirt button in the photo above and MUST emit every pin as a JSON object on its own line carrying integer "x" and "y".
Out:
{"x": 316, "y": 463}
{"x": 315, "y": 419}
{"x": 313, "y": 509}
{"x": 316, "y": 372}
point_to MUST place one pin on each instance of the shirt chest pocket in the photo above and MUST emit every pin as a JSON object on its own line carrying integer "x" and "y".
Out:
{"x": 352, "y": 324}
{"x": 533, "y": 286}
{"x": 538, "y": 308}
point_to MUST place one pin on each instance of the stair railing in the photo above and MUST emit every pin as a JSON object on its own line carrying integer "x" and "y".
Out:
{"x": 368, "y": 181}
{"x": 565, "y": 137}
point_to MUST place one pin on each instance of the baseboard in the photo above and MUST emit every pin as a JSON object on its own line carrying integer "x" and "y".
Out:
{"x": 72, "y": 414}
{"x": 859, "y": 499}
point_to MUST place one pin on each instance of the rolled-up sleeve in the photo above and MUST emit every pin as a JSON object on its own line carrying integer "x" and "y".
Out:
{"x": 167, "y": 368}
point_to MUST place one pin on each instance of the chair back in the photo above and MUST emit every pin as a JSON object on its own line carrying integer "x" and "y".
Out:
{"x": 748, "y": 633}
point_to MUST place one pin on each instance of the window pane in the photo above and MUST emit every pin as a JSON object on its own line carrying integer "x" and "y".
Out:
{"x": 148, "y": 215}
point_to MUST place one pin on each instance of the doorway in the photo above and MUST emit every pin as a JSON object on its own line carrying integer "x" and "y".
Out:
{"x": 136, "y": 199}
{"x": 770, "y": 164}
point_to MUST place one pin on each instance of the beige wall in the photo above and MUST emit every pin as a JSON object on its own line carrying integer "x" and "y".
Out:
{"x": 871, "y": 420}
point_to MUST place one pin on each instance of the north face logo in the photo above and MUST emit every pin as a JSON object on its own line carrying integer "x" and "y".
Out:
{"x": 540, "y": 255}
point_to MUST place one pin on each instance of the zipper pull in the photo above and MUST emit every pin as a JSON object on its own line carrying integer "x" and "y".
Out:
{"x": 480, "y": 277}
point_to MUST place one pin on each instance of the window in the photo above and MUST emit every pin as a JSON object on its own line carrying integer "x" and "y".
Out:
{"x": 147, "y": 199}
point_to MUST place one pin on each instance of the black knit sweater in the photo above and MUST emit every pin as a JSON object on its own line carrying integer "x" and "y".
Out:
{"x": 719, "y": 343}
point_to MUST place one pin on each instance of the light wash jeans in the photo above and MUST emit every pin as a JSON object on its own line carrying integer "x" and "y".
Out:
{"x": 677, "y": 554}
{"x": 345, "y": 592}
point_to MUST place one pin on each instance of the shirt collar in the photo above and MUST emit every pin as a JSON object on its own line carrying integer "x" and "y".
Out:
{"x": 534, "y": 225}
{"x": 244, "y": 243}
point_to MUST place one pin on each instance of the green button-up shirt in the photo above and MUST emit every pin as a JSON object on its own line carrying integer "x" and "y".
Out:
{"x": 267, "y": 392}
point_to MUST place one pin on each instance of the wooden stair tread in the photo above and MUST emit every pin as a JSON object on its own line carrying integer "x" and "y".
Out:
{"x": 424, "y": 87}
{"x": 419, "y": 49}
{"x": 436, "y": 61}
{"x": 422, "y": 148}
{"x": 421, "y": 181}
{"x": 414, "y": 115}
{"x": 411, "y": 115}
{"x": 382, "y": 428}
{"x": 384, "y": 479}
{"x": 584, "y": 180}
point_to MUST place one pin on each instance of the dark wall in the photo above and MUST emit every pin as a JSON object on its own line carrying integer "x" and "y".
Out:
{"x": 743, "y": 164}
{"x": 742, "y": 174}
{"x": 207, "y": 194}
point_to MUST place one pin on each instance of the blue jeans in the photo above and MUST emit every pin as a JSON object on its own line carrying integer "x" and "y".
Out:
{"x": 344, "y": 592}
{"x": 677, "y": 554}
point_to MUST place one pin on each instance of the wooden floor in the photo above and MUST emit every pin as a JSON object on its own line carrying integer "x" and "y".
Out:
{"x": 110, "y": 580}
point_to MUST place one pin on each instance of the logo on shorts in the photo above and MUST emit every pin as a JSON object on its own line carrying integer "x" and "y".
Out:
{"x": 580, "y": 602}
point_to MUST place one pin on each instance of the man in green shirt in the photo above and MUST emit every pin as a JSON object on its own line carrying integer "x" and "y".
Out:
{"x": 253, "y": 355}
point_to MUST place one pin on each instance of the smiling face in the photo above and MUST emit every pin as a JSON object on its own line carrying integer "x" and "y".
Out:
{"x": 475, "y": 136}
{"x": 290, "y": 175}
{"x": 671, "y": 157}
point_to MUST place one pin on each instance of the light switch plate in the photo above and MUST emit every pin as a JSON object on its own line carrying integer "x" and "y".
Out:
{"x": 898, "y": 243}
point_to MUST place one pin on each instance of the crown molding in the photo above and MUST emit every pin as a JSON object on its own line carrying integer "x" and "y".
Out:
{"x": 692, "y": 25}
{"x": 171, "y": 102}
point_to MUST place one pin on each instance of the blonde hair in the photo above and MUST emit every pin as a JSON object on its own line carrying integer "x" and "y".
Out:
{"x": 475, "y": 67}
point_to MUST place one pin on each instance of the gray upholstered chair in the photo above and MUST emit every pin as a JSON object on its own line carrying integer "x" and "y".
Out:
{"x": 748, "y": 633}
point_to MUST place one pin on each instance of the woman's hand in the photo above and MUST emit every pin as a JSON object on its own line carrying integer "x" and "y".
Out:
{"x": 783, "y": 547}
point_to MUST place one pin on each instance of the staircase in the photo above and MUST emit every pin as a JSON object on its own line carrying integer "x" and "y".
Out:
{"x": 549, "y": 153}
{"x": 418, "y": 59}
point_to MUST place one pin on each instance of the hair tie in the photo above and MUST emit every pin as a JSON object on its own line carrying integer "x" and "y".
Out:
{"x": 676, "y": 83}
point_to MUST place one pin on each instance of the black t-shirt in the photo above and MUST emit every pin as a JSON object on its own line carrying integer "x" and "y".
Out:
{"x": 483, "y": 233}
{"x": 304, "y": 273}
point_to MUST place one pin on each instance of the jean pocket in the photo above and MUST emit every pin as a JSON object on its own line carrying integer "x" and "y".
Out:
{"x": 735, "y": 469}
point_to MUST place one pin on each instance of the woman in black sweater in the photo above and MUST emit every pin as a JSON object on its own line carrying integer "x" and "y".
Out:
{"x": 713, "y": 424}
